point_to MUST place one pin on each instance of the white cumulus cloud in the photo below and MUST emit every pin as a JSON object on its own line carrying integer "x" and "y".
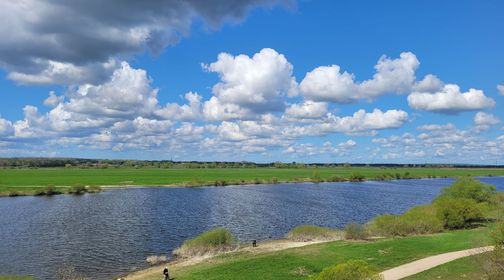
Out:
{"x": 450, "y": 100}
{"x": 328, "y": 83}
{"x": 306, "y": 110}
{"x": 6, "y": 128}
{"x": 258, "y": 83}
{"x": 500, "y": 89}
{"x": 483, "y": 120}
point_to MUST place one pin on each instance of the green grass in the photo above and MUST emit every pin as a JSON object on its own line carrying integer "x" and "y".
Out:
{"x": 311, "y": 232}
{"x": 212, "y": 241}
{"x": 310, "y": 260}
{"x": 27, "y": 181}
{"x": 464, "y": 268}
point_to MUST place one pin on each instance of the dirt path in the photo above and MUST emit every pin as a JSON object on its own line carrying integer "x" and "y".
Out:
{"x": 418, "y": 266}
{"x": 263, "y": 247}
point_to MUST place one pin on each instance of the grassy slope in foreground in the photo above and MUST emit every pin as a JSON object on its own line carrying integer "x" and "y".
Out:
{"x": 29, "y": 180}
{"x": 464, "y": 268}
{"x": 310, "y": 260}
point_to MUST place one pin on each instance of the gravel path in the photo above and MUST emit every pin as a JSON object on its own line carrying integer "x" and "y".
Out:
{"x": 418, "y": 266}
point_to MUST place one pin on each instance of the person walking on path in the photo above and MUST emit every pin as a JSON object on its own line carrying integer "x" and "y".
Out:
{"x": 166, "y": 274}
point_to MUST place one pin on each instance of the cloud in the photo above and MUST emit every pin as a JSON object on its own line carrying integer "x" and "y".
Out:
{"x": 186, "y": 112}
{"x": 430, "y": 83}
{"x": 361, "y": 121}
{"x": 500, "y": 89}
{"x": 68, "y": 42}
{"x": 6, "y": 128}
{"x": 306, "y": 110}
{"x": 484, "y": 121}
{"x": 435, "y": 127}
{"x": 328, "y": 83}
{"x": 258, "y": 83}
{"x": 215, "y": 110}
{"x": 449, "y": 100}
{"x": 53, "y": 100}
{"x": 348, "y": 144}
{"x": 127, "y": 95}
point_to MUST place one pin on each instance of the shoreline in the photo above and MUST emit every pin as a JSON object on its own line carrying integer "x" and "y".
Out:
{"x": 264, "y": 246}
{"x": 230, "y": 184}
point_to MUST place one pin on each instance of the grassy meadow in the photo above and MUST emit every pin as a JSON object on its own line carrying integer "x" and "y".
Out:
{"x": 28, "y": 181}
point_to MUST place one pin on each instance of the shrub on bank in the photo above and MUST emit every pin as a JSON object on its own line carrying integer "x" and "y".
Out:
{"x": 77, "y": 189}
{"x": 356, "y": 177}
{"x": 336, "y": 178}
{"x": 468, "y": 188}
{"x": 209, "y": 242}
{"x": 351, "y": 270}
{"x": 14, "y": 193}
{"x": 421, "y": 219}
{"x": 49, "y": 190}
{"x": 457, "y": 213}
{"x": 356, "y": 232}
{"x": 313, "y": 233}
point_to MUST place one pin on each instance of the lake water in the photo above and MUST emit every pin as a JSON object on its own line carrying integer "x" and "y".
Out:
{"x": 112, "y": 233}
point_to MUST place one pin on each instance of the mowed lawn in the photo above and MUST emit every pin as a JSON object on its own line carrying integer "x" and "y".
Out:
{"x": 28, "y": 180}
{"x": 300, "y": 263}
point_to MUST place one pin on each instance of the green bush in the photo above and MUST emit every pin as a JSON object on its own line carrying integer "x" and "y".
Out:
{"x": 356, "y": 177}
{"x": 418, "y": 220}
{"x": 336, "y": 178}
{"x": 386, "y": 225}
{"x": 356, "y": 232}
{"x": 421, "y": 220}
{"x": 49, "y": 190}
{"x": 209, "y": 242}
{"x": 457, "y": 213}
{"x": 469, "y": 188}
{"x": 220, "y": 183}
{"x": 316, "y": 176}
{"x": 312, "y": 233}
{"x": 77, "y": 189}
{"x": 14, "y": 193}
{"x": 351, "y": 270}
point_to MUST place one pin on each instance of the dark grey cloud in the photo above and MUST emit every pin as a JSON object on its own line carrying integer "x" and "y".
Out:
{"x": 61, "y": 41}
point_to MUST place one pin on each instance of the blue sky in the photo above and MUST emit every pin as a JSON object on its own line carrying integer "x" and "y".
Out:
{"x": 310, "y": 81}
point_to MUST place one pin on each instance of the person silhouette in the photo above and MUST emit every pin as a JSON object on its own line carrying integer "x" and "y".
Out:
{"x": 166, "y": 273}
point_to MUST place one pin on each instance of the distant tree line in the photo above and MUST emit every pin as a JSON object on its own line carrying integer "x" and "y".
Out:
{"x": 118, "y": 163}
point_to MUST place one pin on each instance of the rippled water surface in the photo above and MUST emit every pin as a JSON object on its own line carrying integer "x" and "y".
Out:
{"x": 112, "y": 233}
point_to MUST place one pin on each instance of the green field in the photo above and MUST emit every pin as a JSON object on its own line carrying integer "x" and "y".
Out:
{"x": 310, "y": 260}
{"x": 26, "y": 181}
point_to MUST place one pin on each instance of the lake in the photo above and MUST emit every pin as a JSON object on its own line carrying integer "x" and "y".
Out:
{"x": 111, "y": 233}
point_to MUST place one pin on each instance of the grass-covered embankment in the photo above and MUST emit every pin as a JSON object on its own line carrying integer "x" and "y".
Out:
{"x": 300, "y": 263}
{"x": 29, "y": 181}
